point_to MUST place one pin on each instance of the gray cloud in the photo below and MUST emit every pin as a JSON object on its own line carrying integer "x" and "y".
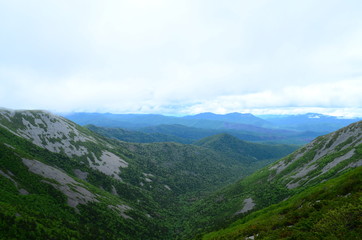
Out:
{"x": 180, "y": 56}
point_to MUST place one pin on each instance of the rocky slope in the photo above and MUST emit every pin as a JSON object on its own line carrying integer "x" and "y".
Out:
{"x": 323, "y": 159}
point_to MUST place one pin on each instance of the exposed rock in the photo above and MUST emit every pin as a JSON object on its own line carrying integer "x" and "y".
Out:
{"x": 337, "y": 138}
{"x": 22, "y": 191}
{"x": 8, "y": 177}
{"x": 49, "y": 131}
{"x": 281, "y": 165}
{"x": 353, "y": 165}
{"x": 148, "y": 180}
{"x": 9, "y": 146}
{"x": 75, "y": 191}
{"x": 338, "y": 160}
{"x": 293, "y": 185}
{"x": 114, "y": 191}
{"x": 80, "y": 174}
{"x": 301, "y": 172}
{"x": 109, "y": 164}
{"x": 121, "y": 209}
{"x": 248, "y": 205}
{"x": 148, "y": 175}
{"x": 3, "y": 126}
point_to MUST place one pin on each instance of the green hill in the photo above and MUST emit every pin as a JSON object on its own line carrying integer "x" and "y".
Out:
{"x": 247, "y": 151}
{"x": 330, "y": 210}
{"x": 136, "y": 136}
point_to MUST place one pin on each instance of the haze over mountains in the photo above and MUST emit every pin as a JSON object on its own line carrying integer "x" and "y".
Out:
{"x": 297, "y": 129}
{"x": 60, "y": 180}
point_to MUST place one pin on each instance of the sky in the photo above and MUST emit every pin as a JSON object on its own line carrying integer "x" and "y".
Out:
{"x": 182, "y": 57}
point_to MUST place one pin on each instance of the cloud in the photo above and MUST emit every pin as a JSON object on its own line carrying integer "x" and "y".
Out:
{"x": 340, "y": 94}
{"x": 179, "y": 56}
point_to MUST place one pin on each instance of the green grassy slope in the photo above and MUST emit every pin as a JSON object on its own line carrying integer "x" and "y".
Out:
{"x": 330, "y": 210}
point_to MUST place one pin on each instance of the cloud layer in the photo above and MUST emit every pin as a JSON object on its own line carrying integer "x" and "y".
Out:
{"x": 180, "y": 56}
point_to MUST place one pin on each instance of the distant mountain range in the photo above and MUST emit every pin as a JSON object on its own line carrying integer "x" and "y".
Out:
{"x": 309, "y": 122}
{"x": 291, "y": 129}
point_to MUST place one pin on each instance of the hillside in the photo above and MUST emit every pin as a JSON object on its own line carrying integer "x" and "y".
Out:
{"x": 239, "y": 149}
{"x": 325, "y": 158}
{"x": 194, "y": 134}
{"x": 330, "y": 210}
{"x": 46, "y": 195}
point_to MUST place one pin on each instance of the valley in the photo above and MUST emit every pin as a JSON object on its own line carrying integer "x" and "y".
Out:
{"x": 160, "y": 177}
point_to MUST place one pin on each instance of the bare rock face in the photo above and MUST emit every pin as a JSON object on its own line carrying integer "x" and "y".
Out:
{"x": 109, "y": 164}
{"x": 60, "y": 135}
{"x": 48, "y": 131}
{"x": 75, "y": 191}
{"x": 335, "y": 151}
{"x": 248, "y": 205}
{"x": 80, "y": 174}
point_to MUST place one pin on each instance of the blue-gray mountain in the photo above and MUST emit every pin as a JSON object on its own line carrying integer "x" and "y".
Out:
{"x": 299, "y": 129}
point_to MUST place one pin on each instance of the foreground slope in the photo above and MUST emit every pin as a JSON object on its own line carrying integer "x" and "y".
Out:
{"x": 325, "y": 158}
{"x": 46, "y": 195}
{"x": 330, "y": 210}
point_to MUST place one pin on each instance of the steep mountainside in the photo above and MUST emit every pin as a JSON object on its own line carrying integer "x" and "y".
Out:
{"x": 46, "y": 195}
{"x": 325, "y": 158}
{"x": 329, "y": 210}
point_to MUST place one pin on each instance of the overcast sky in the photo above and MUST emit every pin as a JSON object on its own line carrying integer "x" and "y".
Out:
{"x": 180, "y": 57}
